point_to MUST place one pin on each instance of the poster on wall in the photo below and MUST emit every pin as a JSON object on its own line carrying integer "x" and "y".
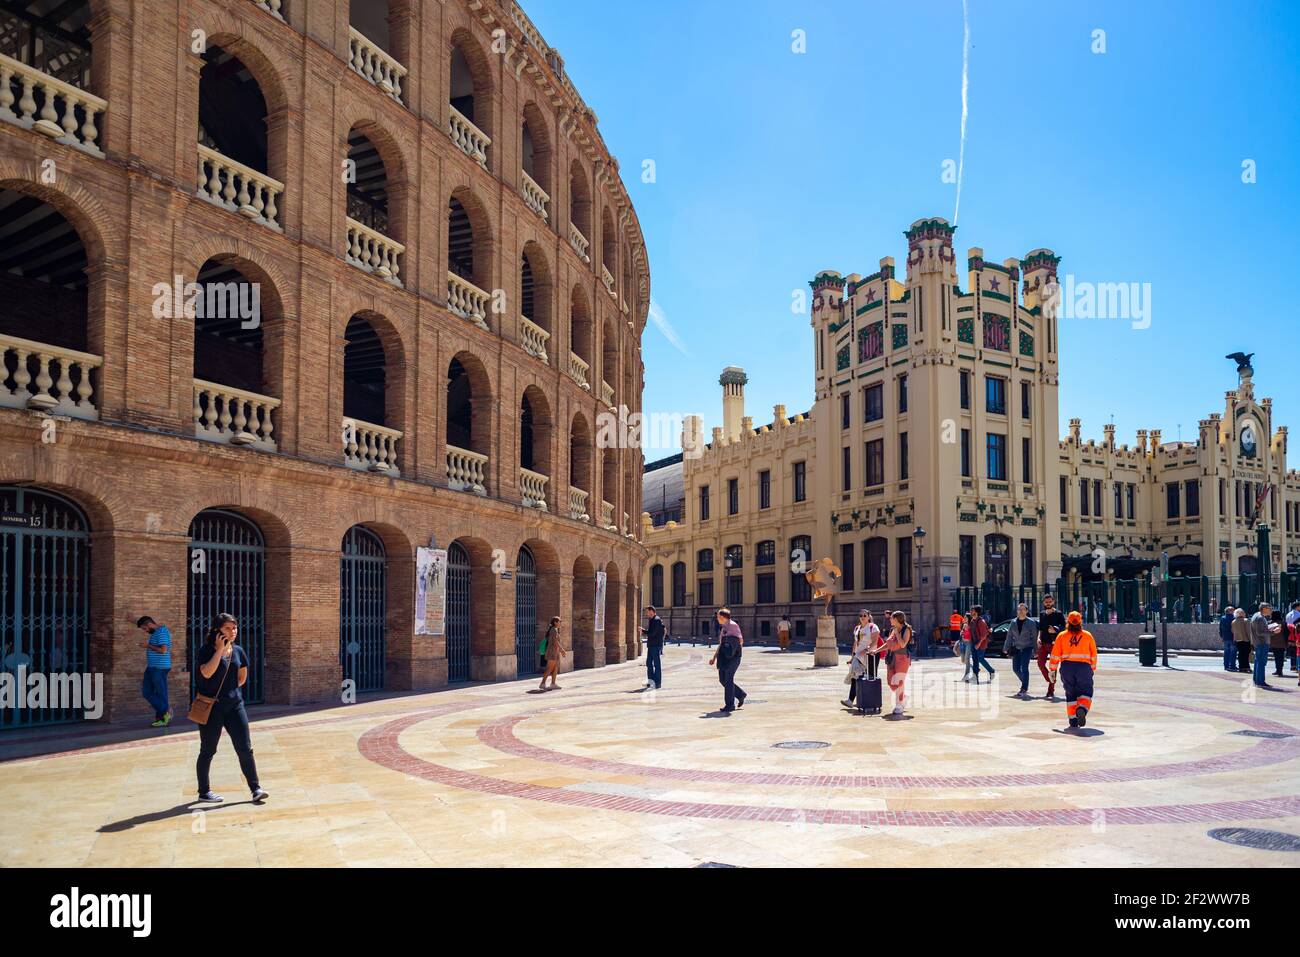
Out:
{"x": 430, "y": 591}
{"x": 600, "y": 601}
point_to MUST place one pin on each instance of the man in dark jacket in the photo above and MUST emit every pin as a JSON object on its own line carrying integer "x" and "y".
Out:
{"x": 1229, "y": 644}
{"x": 1050, "y": 624}
{"x": 1022, "y": 636}
{"x": 654, "y": 647}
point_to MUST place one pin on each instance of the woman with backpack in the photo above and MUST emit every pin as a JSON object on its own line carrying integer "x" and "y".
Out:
{"x": 730, "y": 644}
{"x": 898, "y": 657}
{"x": 552, "y": 650}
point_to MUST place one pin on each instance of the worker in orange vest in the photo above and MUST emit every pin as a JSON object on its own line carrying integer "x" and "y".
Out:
{"x": 955, "y": 621}
{"x": 1074, "y": 654}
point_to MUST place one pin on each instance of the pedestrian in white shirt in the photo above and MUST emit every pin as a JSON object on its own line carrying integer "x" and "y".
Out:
{"x": 865, "y": 655}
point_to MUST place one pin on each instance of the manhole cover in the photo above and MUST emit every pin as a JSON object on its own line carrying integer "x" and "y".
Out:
{"x": 716, "y": 864}
{"x": 1260, "y": 840}
{"x": 801, "y": 745}
{"x": 1263, "y": 734}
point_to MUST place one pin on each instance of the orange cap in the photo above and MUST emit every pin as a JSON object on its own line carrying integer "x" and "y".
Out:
{"x": 1074, "y": 618}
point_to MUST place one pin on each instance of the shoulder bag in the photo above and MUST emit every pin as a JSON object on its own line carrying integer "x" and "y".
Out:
{"x": 201, "y": 706}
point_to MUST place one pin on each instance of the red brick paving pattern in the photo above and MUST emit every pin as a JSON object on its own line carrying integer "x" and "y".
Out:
{"x": 381, "y": 745}
{"x": 500, "y": 734}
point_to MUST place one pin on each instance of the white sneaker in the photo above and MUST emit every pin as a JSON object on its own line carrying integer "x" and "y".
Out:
{"x": 847, "y": 703}
{"x": 967, "y": 678}
{"x": 898, "y": 709}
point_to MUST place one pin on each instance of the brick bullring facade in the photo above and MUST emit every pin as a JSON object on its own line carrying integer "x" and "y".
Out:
{"x": 448, "y": 286}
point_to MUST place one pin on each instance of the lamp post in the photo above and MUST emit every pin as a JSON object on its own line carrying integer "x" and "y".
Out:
{"x": 918, "y": 537}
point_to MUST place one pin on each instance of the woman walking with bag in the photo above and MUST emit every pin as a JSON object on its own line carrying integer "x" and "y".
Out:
{"x": 222, "y": 669}
{"x": 898, "y": 658}
{"x": 552, "y": 651}
{"x": 866, "y": 639}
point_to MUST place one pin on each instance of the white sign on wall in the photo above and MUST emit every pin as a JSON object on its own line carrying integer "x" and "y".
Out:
{"x": 430, "y": 591}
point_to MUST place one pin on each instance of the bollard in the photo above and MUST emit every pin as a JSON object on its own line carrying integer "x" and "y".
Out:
{"x": 1147, "y": 650}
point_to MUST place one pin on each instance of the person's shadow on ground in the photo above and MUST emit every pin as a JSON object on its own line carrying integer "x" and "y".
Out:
{"x": 180, "y": 810}
{"x": 1080, "y": 732}
{"x": 716, "y": 714}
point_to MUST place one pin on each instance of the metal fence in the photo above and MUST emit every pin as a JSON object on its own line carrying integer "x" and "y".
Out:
{"x": 1133, "y": 600}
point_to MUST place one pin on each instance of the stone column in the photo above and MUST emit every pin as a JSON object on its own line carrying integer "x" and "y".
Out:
{"x": 827, "y": 652}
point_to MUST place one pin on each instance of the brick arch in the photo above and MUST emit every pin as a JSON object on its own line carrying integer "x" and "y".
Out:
{"x": 73, "y": 201}
{"x": 394, "y": 152}
{"x": 397, "y": 390}
{"x": 543, "y": 147}
{"x": 543, "y": 288}
{"x": 482, "y": 400}
{"x": 614, "y": 602}
{"x": 581, "y": 465}
{"x": 484, "y": 614}
{"x": 544, "y": 434}
{"x": 581, "y": 327}
{"x": 233, "y": 35}
{"x": 484, "y": 228}
{"x": 481, "y": 74}
{"x": 581, "y": 203}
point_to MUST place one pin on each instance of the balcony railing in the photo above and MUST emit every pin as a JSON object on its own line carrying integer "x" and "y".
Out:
{"x": 533, "y": 338}
{"x": 627, "y": 525}
{"x": 238, "y": 188}
{"x": 233, "y": 416}
{"x": 271, "y": 6}
{"x": 54, "y": 94}
{"x": 578, "y": 504}
{"x": 607, "y": 516}
{"x": 466, "y": 471}
{"x": 578, "y": 370}
{"x": 370, "y": 448}
{"x": 608, "y": 279}
{"x": 467, "y": 300}
{"x": 473, "y": 142}
{"x": 375, "y": 65}
{"x": 579, "y": 243}
{"x": 533, "y": 486}
{"x": 374, "y": 252}
{"x": 607, "y": 393}
{"x": 47, "y": 378}
{"x": 534, "y": 195}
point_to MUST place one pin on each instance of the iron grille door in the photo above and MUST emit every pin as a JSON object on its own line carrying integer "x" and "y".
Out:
{"x": 227, "y": 573}
{"x": 363, "y": 574}
{"x": 458, "y": 613}
{"x": 525, "y": 614}
{"x": 44, "y": 601}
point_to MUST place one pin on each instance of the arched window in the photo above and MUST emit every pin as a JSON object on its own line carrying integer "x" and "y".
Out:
{"x": 233, "y": 127}
{"x": 657, "y": 585}
{"x": 679, "y": 584}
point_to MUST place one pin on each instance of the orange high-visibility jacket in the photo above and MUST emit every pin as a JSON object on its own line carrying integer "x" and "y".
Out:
{"x": 955, "y": 622}
{"x": 1074, "y": 646}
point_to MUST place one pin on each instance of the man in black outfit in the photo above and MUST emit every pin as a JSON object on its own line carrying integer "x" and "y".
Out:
{"x": 1050, "y": 624}
{"x": 654, "y": 647}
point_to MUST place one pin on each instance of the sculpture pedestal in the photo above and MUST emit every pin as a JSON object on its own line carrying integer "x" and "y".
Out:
{"x": 826, "y": 653}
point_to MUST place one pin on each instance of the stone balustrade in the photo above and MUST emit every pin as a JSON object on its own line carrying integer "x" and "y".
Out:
{"x": 232, "y": 416}
{"x": 370, "y": 448}
{"x": 271, "y": 6}
{"x": 607, "y": 516}
{"x": 375, "y": 65}
{"x": 473, "y": 142}
{"x": 534, "y": 196}
{"x": 466, "y": 471}
{"x": 467, "y": 300}
{"x": 45, "y": 117}
{"x": 533, "y": 486}
{"x": 578, "y": 504}
{"x": 533, "y": 338}
{"x": 579, "y": 243}
{"x": 608, "y": 279}
{"x": 374, "y": 252}
{"x": 47, "y": 378}
{"x": 607, "y": 393}
{"x": 578, "y": 370}
{"x": 238, "y": 188}
{"x": 627, "y": 525}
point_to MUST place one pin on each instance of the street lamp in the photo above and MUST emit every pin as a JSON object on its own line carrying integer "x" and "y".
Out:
{"x": 918, "y": 537}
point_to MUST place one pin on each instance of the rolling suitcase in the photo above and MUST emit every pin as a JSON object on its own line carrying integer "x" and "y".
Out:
{"x": 867, "y": 693}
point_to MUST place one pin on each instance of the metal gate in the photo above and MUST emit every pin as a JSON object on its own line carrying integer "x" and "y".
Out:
{"x": 227, "y": 573}
{"x": 525, "y": 614}
{"x": 363, "y": 583}
{"x": 458, "y": 615}
{"x": 44, "y": 602}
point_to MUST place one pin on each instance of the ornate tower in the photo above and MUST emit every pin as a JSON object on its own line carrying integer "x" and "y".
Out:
{"x": 733, "y": 381}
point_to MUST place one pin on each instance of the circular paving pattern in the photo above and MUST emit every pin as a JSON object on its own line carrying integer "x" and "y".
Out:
{"x": 381, "y": 745}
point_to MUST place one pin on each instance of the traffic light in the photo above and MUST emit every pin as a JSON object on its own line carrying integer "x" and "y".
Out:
{"x": 1164, "y": 566}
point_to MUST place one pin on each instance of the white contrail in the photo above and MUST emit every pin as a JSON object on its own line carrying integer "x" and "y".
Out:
{"x": 664, "y": 326}
{"x": 965, "y": 83}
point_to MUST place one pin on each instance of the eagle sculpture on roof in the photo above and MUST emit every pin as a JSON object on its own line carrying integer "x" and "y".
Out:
{"x": 1242, "y": 359}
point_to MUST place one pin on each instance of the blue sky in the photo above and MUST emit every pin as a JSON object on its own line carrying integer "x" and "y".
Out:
{"x": 771, "y": 165}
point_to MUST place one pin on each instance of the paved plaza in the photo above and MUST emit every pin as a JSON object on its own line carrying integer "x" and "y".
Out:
{"x": 601, "y": 774}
